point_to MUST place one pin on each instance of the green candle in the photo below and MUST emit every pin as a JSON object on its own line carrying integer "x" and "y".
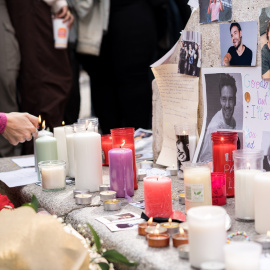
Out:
{"x": 46, "y": 149}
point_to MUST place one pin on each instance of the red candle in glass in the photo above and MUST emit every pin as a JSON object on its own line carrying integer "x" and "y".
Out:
{"x": 223, "y": 145}
{"x": 126, "y": 136}
{"x": 106, "y": 144}
{"x": 218, "y": 183}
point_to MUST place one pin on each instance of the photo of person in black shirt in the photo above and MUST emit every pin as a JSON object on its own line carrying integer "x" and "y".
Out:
{"x": 266, "y": 55}
{"x": 238, "y": 54}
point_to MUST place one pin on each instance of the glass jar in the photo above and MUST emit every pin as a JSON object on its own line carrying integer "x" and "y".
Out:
{"x": 247, "y": 164}
{"x": 197, "y": 182}
{"x": 124, "y": 137}
{"x": 91, "y": 124}
{"x": 218, "y": 184}
{"x": 52, "y": 174}
{"x": 186, "y": 141}
{"x": 106, "y": 145}
{"x": 224, "y": 143}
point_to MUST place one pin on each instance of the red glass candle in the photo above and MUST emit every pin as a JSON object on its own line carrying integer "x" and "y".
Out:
{"x": 218, "y": 183}
{"x": 106, "y": 144}
{"x": 223, "y": 145}
{"x": 125, "y": 137}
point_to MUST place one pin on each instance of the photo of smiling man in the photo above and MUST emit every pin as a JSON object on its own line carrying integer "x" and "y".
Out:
{"x": 238, "y": 43}
{"x": 224, "y": 108}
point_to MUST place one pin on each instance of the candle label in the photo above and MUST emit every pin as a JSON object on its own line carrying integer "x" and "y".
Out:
{"x": 194, "y": 192}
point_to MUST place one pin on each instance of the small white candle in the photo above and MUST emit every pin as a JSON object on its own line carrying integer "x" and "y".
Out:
{"x": 53, "y": 176}
{"x": 244, "y": 193}
{"x": 146, "y": 164}
{"x": 242, "y": 256}
{"x": 262, "y": 202}
{"x": 207, "y": 235}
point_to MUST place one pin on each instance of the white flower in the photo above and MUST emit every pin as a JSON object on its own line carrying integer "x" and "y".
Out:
{"x": 79, "y": 225}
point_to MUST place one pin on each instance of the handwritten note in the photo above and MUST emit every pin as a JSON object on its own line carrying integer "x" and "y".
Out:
{"x": 179, "y": 98}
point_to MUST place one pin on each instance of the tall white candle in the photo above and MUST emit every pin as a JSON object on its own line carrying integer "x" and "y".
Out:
{"x": 70, "y": 153}
{"x": 207, "y": 235}
{"x": 88, "y": 161}
{"x": 242, "y": 256}
{"x": 244, "y": 193}
{"x": 262, "y": 202}
{"x": 197, "y": 181}
{"x": 60, "y": 136}
{"x": 192, "y": 145}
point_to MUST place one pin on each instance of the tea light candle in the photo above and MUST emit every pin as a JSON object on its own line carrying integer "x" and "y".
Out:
{"x": 262, "y": 202}
{"x": 158, "y": 229}
{"x": 157, "y": 240}
{"x": 146, "y": 164}
{"x": 141, "y": 174}
{"x": 83, "y": 198}
{"x": 264, "y": 240}
{"x": 206, "y": 225}
{"x": 184, "y": 251}
{"x": 104, "y": 187}
{"x": 144, "y": 225}
{"x": 172, "y": 227}
{"x": 242, "y": 255}
{"x": 157, "y": 196}
{"x": 107, "y": 195}
{"x": 172, "y": 170}
{"x": 112, "y": 205}
{"x": 181, "y": 198}
{"x": 180, "y": 238}
{"x": 81, "y": 191}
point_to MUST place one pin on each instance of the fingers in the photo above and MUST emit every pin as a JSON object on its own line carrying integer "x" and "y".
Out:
{"x": 68, "y": 18}
{"x": 62, "y": 12}
{"x": 33, "y": 119}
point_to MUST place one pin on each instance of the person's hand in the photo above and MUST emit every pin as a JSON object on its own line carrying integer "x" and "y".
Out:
{"x": 20, "y": 127}
{"x": 66, "y": 15}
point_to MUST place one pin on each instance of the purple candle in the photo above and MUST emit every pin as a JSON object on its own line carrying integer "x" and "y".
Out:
{"x": 121, "y": 172}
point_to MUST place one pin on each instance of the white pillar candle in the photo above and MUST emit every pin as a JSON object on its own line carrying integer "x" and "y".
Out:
{"x": 41, "y": 133}
{"x": 262, "y": 202}
{"x": 242, "y": 256}
{"x": 60, "y": 136}
{"x": 197, "y": 181}
{"x": 88, "y": 161}
{"x": 207, "y": 235}
{"x": 70, "y": 150}
{"x": 192, "y": 145}
{"x": 244, "y": 193}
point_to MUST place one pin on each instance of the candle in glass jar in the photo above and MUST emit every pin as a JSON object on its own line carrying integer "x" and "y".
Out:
{"x": 157, "y": 196}
{"x": 207, "y": 235}
{"x": 218, "y": 184}
{"x": 106, "y": 144}
{"x": 262, "y": 202}
{"x": 224, "y": 143}
{"x": 197, "y": 182}
{"x": 121, "y": 172}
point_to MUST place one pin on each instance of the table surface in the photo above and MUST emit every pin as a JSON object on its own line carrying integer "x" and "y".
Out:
{"x": 128, "y": 242}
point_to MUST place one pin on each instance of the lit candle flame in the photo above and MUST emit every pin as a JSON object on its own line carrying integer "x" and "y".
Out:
{"x": 222, "y": 139}
{"x": 150, "y": 220}
{"x": 181, "y": 231}
{"x": 122, "y": 144}
{"x": 157, "y": 229}
{"x": 43, "y": 124}
{"x": 86, "y": 123}
{"x": 248, "y": 165}
{"x": 39, "y": 119}
{"x": 75, "y": 129}
{"x": 170, "y": 220}
{"x": 268, "y": 234}
{"x": 184, "y": 132}
{"x": 63, "y": 123}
